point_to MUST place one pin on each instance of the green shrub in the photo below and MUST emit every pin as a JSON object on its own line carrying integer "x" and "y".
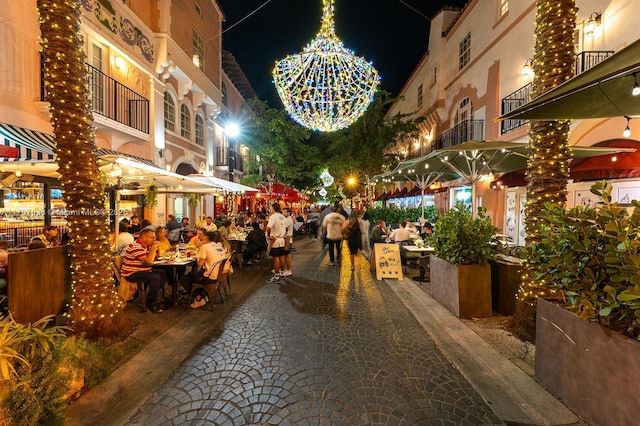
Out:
{"x": 40, "y": 393}
{"x": 593, "y": 256}
{"x": 398, "y": 214}
{"x": 20, "y": 344}
{"x": 461, "y": 239}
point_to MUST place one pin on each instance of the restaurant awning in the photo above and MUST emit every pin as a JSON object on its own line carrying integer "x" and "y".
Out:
{"x": 29, "y": 144}
{"x": 602, "y": 91}
{"x": 227, "y": 185}
{"x": 611, "y": 166}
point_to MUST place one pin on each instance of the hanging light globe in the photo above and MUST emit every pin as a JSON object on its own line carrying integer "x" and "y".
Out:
{"x": 325, "y": 87}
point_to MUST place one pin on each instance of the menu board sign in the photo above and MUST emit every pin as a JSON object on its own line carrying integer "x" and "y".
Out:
{"x": 386, "y": 258}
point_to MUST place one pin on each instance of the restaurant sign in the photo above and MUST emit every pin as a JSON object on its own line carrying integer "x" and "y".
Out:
{"x": 121, "y": 23}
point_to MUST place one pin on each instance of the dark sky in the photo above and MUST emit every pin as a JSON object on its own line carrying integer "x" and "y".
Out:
{"x": 387, "y": 33}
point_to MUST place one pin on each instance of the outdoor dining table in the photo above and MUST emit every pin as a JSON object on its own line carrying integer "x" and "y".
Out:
{"x": 421, "y": 250}
{"x": 173, "y": 266}
{"x": 237, "y": 248}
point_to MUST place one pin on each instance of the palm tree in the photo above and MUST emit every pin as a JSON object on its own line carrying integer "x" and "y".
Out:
{"x": 547, "y": 171}
{"x": 95, "y": 306}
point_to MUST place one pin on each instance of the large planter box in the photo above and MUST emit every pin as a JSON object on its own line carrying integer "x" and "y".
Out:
{"x": 592, "y": 369}
{"x": 465, "y": 290}
{"x": 506, "y": 276}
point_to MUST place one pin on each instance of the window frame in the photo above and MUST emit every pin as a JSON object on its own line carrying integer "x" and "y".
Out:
{"x": 169, "y": 106}
{"x": 464, "y": 51}
{"x": 198, "y": 123}
{"x": 185, "y": 121}
{"x": 198, "y": 47}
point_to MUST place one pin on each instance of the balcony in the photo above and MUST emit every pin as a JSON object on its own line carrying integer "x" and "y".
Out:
{"x": 229, "y": 159}
{"x": 113, "y": 100}
{"x": 583, "y": 61}
{"x": 464, "y": 131}
{"x": 511, "y": 102}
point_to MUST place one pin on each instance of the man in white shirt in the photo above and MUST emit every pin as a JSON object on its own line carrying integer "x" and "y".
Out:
{"x": 332, "y": 225}
{"x": 276, "y": 231}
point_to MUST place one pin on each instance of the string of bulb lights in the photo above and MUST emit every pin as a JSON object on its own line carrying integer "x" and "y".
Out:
{"x": 325, "y": 87}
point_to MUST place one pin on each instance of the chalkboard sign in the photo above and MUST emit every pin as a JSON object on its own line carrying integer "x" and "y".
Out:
{"x": 386, "y": 258}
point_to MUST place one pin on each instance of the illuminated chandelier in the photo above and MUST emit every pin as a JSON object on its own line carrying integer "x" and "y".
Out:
{"x": 325, "y": 87}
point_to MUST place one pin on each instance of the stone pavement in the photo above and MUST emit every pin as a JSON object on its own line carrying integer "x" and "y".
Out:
{"x": 324, "y": 346}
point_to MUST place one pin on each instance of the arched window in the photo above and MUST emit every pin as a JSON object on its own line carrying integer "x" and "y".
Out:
{"x": 185, "y": 122}
{"x": 464, "y": 111}
{"x": 199, "y": 130}
{"x": 169, "y": 112}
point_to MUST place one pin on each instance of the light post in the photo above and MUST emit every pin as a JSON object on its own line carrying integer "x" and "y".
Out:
{"x": 351, "y": 182}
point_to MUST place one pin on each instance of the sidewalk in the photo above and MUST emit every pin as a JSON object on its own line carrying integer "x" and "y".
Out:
{"x": 511, "y": 393}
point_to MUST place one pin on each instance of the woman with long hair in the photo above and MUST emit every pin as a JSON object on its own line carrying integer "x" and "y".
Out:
{"x": 351, "y": 232}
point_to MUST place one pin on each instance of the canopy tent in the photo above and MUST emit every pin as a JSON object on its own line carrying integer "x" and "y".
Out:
{"x": 282, "y": 192}
{"x": 602, "y": 91}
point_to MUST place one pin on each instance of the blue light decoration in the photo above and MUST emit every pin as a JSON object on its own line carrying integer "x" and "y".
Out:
{"x": 325, "y": 87}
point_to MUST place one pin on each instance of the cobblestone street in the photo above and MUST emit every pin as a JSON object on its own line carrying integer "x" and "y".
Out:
{"x": 324, "y": 346}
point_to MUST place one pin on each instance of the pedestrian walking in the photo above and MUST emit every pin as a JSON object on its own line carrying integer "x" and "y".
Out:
{"x": 332, "y": 226}
{"x": 351, "y": 232}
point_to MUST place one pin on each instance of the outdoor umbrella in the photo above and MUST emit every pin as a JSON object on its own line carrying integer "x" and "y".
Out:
{"x": 471, "y": 160}
{"x": 421, "y": 176}
{"x": 602, "y": 91}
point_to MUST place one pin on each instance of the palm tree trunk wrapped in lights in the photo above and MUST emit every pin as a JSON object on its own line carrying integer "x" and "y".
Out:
{"x": 547, "y": 171}
{"x": 95, "y": 306}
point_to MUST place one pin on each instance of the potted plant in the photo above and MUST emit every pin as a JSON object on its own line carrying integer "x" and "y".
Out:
{"x": 151, "y": 195}
{"x": 586, "y": 346}
{"x": 460, "y": 271}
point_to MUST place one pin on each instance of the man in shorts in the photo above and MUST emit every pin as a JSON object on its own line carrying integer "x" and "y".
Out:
{"x": 276, "y": 231}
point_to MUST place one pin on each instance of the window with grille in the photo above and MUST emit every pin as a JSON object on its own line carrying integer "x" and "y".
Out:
{"x": 464, "y": 51}
{"x": 199, "y": 130}
{"x": 185, "y": 122}
{"x": 198, "y": 50}
{"x": 420, "y": 95}
{"x": 169, "y": 112}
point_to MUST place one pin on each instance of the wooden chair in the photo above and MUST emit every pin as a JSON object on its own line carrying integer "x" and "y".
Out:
{"x": 124, "y": 287}
{"x": 213, "y": 286}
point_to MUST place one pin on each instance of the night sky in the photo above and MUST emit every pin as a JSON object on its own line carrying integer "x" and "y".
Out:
{"x": 387, "y": 33}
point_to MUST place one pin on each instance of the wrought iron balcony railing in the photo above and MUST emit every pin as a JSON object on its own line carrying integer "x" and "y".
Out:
{"x": 583, "y": 61}
{"x": 462, "y": 132}
{"x": 112, "y": 100}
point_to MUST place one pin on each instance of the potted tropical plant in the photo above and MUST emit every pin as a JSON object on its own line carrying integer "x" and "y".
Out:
{"x": 586, "y": 342}
{"x": 460, "y": 271}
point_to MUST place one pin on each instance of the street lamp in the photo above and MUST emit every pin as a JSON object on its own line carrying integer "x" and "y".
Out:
{"x": 351, "y": 182}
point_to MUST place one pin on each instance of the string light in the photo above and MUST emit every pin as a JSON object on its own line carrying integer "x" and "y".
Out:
{"x": 325, "y": 87}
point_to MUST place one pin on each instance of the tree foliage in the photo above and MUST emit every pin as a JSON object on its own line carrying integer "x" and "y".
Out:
{"x": 280, "y": 147}
{"x": 363, "y": 147}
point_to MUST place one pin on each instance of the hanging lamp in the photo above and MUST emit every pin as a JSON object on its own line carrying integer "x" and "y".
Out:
{"x": 325, "y": 87}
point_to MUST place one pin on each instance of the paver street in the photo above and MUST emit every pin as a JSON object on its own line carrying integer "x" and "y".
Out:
{"x": 324, "y": 346}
